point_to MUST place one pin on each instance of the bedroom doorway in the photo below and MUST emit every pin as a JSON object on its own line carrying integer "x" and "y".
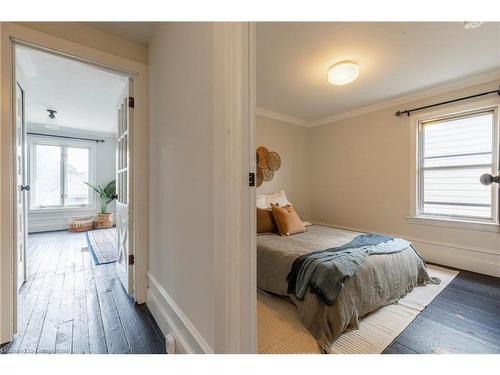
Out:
{"x": 74, "y": 259}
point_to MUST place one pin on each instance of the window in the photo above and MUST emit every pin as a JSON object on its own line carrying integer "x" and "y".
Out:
{"x": 454, "y": 151}
{"x": 58, "y": 173}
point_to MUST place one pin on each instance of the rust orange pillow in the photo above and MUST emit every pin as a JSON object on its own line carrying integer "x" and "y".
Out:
{"x": 287, "y": 220}
{"x": 265, "y": 221}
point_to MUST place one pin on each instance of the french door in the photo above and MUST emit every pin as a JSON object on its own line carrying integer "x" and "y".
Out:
{"x": 21, "y": 188}
{"x": 124, "y": 265}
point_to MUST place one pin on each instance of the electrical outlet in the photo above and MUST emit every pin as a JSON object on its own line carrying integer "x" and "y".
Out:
{"x": 170, "y": 344}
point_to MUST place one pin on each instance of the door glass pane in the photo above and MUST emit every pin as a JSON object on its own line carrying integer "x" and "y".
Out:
{"x": 47, "y": 176}
{"x": 77, "y": 174}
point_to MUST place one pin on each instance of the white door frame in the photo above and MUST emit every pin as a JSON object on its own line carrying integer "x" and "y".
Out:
{"x": 139, "y": 179}
{"x": 234, "y": 221}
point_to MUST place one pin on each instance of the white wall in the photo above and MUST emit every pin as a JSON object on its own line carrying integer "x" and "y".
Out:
{"x": 105, "y": 167}
{"x": 39, "y": 221}
{"x": 291, "y": 142}
{"x": 201, "y": 269}
{"x": 181, "y": 156}
{"x": 361, "y": 180}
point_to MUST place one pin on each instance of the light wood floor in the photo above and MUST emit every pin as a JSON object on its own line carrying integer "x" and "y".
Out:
{"x": 69, "y": 305}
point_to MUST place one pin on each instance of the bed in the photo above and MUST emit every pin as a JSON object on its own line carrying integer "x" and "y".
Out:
{"x": 381, "y": 280}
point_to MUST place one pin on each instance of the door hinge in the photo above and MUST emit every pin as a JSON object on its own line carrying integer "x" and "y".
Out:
{"x": 131, "y": 260}
{"x": 131, "y": 102}
{"x": 251, "y": 179}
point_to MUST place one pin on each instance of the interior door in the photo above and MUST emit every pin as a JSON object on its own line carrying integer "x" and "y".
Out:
{"x": 124, "y": 265}
{"x": 22, "y": 188}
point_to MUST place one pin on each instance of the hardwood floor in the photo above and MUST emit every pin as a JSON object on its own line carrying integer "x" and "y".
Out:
{"x": 69, "y": 305}
{"x": 463, "y": 318}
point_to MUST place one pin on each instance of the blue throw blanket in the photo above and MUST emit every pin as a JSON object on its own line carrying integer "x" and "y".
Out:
{"x": 324, "y": 271}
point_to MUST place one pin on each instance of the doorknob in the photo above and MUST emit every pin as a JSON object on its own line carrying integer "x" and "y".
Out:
{"x": 25, "y": 188}
{"x": 488, "y": 179}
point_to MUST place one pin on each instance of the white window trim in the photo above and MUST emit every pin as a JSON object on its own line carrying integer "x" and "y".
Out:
{"x": 41, "y": 140}
{"x": 415, "y": 120}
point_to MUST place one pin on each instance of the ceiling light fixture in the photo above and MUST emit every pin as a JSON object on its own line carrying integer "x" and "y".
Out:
{"x": 343, "y": 73}
{"x": 469, "y": 25}
{"x": 52, "y": 122}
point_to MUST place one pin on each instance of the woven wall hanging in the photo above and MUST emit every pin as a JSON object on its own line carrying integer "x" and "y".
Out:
{"x": 267, "y": 162}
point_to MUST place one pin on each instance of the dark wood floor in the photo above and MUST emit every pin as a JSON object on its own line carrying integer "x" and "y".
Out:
{"x": 463, "y": 318}
{"x": 69, "y": 305}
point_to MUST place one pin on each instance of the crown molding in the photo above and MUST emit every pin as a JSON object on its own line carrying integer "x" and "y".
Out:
{"x": 281, "y": 117}
{"x": 438, "y": 90}
{"x": 463, "y": 83}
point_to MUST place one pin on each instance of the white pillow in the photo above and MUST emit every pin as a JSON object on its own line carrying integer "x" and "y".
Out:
{"x": 260, "y": 201}
{"x": 277, "y": 198}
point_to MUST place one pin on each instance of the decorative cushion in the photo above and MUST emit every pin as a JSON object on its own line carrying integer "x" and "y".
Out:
{"x": 265, "y": 221}
{"x": 287, "y": 220}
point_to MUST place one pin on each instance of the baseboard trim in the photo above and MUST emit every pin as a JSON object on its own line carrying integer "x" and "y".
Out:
{"x": 473, "y": 259}
{"x": 173, "y": 321}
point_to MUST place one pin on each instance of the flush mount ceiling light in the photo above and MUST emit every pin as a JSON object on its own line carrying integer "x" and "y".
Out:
{"x": 469, "y": 25}
{"x": 343, "y": 73}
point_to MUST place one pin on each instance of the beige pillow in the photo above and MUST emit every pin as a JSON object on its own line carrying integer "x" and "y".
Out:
{"x": 265, "y": 221}
{"x": 287, "y": 220}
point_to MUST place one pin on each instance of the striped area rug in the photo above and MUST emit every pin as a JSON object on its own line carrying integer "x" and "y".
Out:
{"x": 103, "y": 244}
{"x": 280, "y": 331}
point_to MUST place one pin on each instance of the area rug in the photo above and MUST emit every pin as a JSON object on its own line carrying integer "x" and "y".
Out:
{"x": 280, "y": 331}
{"x": 103, "y": 245}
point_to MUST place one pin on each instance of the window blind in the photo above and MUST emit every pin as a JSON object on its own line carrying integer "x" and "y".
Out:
{"x": 455, "y": 152}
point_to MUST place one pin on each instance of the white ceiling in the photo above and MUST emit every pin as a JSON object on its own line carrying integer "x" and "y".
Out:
{"x": 140, "y": 32}
{"x": 395, "y": 59}
{"x": 84, "y": 96}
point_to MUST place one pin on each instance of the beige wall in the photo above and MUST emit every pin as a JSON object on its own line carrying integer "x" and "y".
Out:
{"x": 88, "y": 36}
{"x": 181, "y": 153}
{"x": 361, "y": 179}
{"x": 292, "y": 143}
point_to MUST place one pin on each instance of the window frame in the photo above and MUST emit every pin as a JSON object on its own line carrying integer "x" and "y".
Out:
{"x": 33, "y": 141}
{"x": 416, "y": 209}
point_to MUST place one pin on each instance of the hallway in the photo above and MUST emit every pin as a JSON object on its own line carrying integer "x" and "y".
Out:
{"x": 69, "y": 305}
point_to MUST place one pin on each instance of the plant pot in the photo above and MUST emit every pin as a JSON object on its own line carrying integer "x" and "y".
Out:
{"x": 103, "y": 221}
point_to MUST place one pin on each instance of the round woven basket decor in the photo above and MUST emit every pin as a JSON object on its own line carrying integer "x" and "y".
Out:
{"x": 262, "y": 156}
{"x": 260, "y": 176}
{"x": 268, "y": 174}
{"x": 274, "y": 161}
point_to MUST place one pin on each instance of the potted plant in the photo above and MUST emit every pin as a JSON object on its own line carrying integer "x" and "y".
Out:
{"x": 104, "y": 219}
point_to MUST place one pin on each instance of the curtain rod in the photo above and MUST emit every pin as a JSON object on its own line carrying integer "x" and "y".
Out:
{"x": 67, "y": 137}
{"x": 409, "y": 111}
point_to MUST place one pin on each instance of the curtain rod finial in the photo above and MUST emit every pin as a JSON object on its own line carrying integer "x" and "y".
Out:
{"x": 401, "y": 113}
